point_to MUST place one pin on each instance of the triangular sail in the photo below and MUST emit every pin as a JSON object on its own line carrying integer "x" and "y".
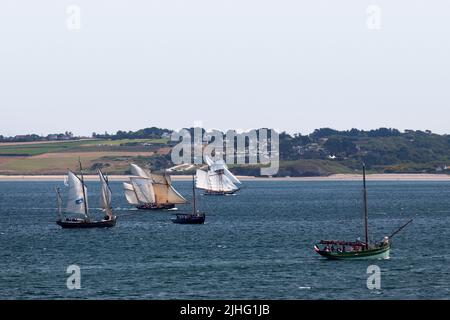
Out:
{"x": 130, "y": 194}
{"x": 76, "y": 202}
{"x": 105, "y": 199}
{"x": 174, "y": 197}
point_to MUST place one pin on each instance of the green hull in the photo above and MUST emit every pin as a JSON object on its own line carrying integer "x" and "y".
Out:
{"x": 376, "y": 253}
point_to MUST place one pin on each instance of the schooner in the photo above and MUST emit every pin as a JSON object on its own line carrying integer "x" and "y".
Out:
{"x": 150, "y": 191}
{"x": 217, "y": 180}
{"x": 77, "y": 203}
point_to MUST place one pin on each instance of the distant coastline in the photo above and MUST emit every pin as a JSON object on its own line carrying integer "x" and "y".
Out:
{"x": 333, "y": 177}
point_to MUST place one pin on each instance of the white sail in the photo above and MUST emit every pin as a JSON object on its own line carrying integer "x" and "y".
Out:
{"x": 105, "y": 199}
{"x": 231, "y": 176}
{"x": 144, "y": 189}
{"x": 138, "y": 171}
{"x": 214, "y": 181}
{"x": 227, "y": 184}
{"x": 202, "y": 181}
{"x": 130, "y": 194}
{"x": 76, "y": 202}
{"x": 220, "y": 166}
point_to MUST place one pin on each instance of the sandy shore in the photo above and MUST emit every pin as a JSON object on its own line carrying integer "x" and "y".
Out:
{"x": 334, "y": 177}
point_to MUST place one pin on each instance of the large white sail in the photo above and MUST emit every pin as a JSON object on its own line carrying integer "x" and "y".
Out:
{"x": 105, "y": 199}
{"x": 139, "y": 172}
{"x": 76, "y": 202}
{"x": 227, "y": 184}
{"x": 144, "y": 189}
{"x": 130, "y": 194}
{"x": 202, "y": 181}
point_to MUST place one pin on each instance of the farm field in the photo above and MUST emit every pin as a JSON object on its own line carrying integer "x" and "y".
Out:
{"x": 113, "y": 156}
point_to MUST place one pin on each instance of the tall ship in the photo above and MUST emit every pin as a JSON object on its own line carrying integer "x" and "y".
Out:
{"x": 339, "y": 249}
{"x": 151, "y": 191}
{"x": 77, "y": 204}
{"x": 217, "y": 179}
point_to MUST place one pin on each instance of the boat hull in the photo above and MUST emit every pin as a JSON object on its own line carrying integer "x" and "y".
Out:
{"x": 155, "y": 207}
{"x": 219, "y": 193}
{"x": 82, "y": 224}
{"x": 189, "y": 220}
{"x": 376, "y": 253}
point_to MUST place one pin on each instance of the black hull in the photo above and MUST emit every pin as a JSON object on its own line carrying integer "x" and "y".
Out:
{"x": 156, "y": 207}
{"x": 189, "y": 220}
{"x": 81, "y": 224}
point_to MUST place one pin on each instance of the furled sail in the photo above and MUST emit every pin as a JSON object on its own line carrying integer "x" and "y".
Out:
{"x": 130, "y": 194}
{"x": 144, "y": 189}
{"x": 76, "y": 202}
{"x": 105, "y": 198}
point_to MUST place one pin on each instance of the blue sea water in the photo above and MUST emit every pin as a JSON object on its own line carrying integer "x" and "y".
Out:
{"x": 254, "y": 245}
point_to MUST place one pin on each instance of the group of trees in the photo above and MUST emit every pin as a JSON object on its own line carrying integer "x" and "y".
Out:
{"x": 147, "y": 133}
{"x": 380, "y": 147}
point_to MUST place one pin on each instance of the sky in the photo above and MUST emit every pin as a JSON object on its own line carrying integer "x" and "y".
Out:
{"x": 288, "y": 64}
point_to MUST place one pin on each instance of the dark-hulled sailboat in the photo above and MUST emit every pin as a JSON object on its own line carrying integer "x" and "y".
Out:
{"x": 196, "y": 217}
{"x": 337, "y": 249}
{"x": 77, "y": 203}
{"x": 150, "y": 191}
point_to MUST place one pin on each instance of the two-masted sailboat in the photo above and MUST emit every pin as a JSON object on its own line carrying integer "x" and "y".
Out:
{"x": 337, "y": 249}
{"x": 217, "y": 180}
{"x": 196, "y": 217}
{"x": 77, "y": 203}
{"x": 150, "y": 191}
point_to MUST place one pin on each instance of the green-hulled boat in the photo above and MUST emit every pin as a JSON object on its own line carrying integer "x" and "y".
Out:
{"x": 337, "y": 249}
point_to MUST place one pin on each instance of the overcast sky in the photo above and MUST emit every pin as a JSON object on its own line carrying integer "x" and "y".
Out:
{"x": 287, "y": 64}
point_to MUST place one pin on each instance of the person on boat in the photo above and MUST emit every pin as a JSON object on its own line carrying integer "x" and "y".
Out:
{"x": 106, "y": 218}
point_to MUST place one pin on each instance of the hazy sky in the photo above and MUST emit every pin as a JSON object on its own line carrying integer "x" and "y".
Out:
{"x": 286, "y": 64}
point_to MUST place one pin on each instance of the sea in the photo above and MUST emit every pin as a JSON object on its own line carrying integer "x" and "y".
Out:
{"x": 257, "y": 244}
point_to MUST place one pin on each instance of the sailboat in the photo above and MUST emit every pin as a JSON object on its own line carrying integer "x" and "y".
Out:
{"x": 196, "y": 217}
{"x": 77, "y": 203}
{"x": 150, "y": 191}
{"x": 217, "y": 180}
{"x": 337, "y": 249}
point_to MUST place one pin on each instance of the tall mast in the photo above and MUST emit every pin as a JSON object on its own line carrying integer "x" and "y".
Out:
{"x": 193, "y": 195}
{"x": 366, "y": 227}
{"x": 84, "y": 192}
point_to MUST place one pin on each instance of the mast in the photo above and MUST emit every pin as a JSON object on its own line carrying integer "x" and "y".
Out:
{"x": 366, "y": 227}
{"x": 193, "y": 195}
{"x": 84, "y": 192}
{"x": 58, "y": 195}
